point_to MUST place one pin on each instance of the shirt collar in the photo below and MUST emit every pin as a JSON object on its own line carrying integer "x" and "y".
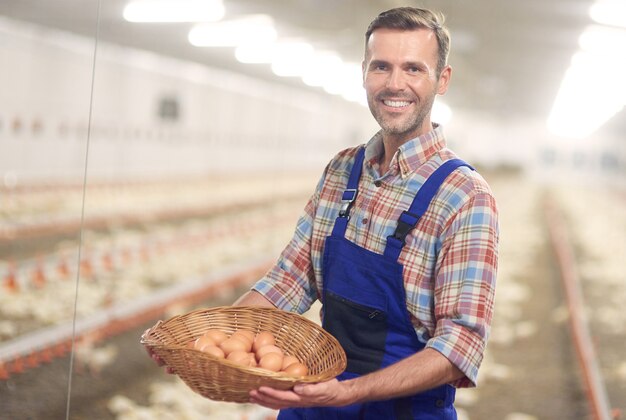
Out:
{"x": 412, "y": 154}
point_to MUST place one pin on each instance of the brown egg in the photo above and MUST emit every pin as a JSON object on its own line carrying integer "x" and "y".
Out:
{"x": 289, "y": 360}
{"x": 213, "y": 351}
{"x": 243, "y": 339}
{"x": 267, "y": 349}
{"x": 232, "y": 344}
{"x": 244, "y": 333}
{"x": 239, "y": 357}
{"x": 253, "y": 362}
{"x": 296, "y": 369}
{"x": 263, "y": 339}
{"x": 203, "y": 341}
{"x": 271, "y": 361}
{"x": 216, "y": 335}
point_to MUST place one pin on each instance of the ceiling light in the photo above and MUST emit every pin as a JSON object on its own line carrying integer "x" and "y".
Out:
{"x": 323, "y": 65}
{"x": 609, "y": 12}
{"x": 291, "y": 58}
{"x": 174, "y": 11}
{"x": 603, "y": 40}
{"x": 590, "y": 94}
{"x": 254, "y": 53}
{"x": 257, "y": 29}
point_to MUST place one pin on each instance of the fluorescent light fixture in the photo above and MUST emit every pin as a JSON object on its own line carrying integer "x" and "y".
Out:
{"x": 609, "y": 12}
{"x": 441, "y": 112}
{"x": 255, "y": 53}
{"x": 291, "y": 58}
{"x": 258, "y": 29}
{"x": 174, "y": 11}
{"x": 604, "y": 40}
{"x": 590, "y": 94}
{"x": 322, "y": 66}
{"x": 593, "y": 89}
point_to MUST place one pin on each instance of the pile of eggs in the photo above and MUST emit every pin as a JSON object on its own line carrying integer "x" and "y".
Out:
{"x": 244, "y": 348}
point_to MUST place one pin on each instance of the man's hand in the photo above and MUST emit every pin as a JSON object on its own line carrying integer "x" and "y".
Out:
{"x": 323, "y": 394}
{"x": 156, "y": 358}
{"x": 417, "y": 373}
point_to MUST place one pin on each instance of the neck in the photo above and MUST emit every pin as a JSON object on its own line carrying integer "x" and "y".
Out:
{"x": 392, "y": 143}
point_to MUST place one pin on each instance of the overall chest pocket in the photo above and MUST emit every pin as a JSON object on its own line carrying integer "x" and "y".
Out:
{"x": 361, "y": 330}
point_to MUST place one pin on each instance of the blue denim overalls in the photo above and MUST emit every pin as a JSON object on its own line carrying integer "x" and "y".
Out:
{"x": 365, "y": 309}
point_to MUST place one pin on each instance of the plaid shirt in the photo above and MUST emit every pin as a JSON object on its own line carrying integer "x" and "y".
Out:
{"x": 450, "y": 258}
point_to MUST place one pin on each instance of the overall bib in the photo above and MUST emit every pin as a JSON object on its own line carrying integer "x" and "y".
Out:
{"x": 365, "y": 309}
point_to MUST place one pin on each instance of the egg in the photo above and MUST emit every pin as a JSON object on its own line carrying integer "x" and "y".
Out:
{"x": 268, "y": 349}
{"x": 296, "y": 369}
{"x": 216, "y": 335}
{"x": 244, "y": 333}
{"x": 239, "y": 357}
{"x": 243, "y": 339}
{"x": 252, "y": 362}
{"x": 271, "y": 361}
{"x": 232, "y": 344}
{"x": 288, "y": 360}
{"x": 213, "y": 351}
{"x": 203, "y": 341}
{"x": 263, "y": 339}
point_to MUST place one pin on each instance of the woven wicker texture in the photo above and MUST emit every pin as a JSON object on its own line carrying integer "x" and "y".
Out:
{"x": 222, "y": 380}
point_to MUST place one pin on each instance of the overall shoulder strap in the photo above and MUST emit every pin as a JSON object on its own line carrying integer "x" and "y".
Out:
{"x": 349, "y": 194}
{"x": 409, "y": 218}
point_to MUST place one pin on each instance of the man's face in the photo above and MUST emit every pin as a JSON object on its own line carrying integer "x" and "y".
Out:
{"x": 401, "y": 81}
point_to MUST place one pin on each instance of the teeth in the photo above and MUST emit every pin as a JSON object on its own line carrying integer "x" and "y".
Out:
{"x": 397, "y": 104}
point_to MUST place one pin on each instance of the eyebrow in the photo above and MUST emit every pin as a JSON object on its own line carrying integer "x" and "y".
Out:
{"x": 419, "y": 64}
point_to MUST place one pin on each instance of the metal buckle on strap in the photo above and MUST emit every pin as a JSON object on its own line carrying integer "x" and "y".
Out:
{"x": 347, "y": 198}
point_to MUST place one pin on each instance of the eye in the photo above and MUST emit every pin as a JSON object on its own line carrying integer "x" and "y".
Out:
{"x": 379, "y": 66}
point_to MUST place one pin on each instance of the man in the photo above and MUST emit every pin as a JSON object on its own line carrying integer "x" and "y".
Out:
{"x": 399, "y": 242}
{"x": 410, "y": 298}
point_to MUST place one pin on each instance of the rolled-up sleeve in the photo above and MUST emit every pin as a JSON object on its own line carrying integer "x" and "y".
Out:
{"x": 465, "y": 286}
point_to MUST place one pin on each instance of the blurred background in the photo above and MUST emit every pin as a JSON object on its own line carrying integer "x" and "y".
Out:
{"x": 155, "y": 156}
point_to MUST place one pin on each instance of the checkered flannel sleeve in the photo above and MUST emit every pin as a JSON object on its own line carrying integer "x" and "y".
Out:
{"x": 465, "y": 286}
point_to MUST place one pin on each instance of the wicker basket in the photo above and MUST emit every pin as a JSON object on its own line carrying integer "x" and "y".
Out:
{"x": 222, "y": 380}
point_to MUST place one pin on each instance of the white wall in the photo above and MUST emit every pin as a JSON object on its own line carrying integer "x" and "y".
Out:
{"x": 228, "y": 122}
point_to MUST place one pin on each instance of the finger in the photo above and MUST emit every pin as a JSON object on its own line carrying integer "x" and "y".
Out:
{"x": 275, "y": 399}
{"x": 157, "y": 359}
{"x": 279, "y": 395}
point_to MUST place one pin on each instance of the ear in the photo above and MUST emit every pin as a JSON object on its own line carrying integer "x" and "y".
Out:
{"x": 444, "y": 79}
{"x": 363, "y": 73}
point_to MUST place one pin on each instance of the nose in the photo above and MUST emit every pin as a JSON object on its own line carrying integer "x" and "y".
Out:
{"x": 395, "y": 81}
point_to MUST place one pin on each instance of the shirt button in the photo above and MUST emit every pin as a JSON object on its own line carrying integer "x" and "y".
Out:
{"x": 378, "y": 183}
{"x": 439, "y": 403}
{"x": 364, "y": 221}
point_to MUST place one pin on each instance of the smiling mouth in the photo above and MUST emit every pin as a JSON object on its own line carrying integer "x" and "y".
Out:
{"x": 396, "y": 104}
